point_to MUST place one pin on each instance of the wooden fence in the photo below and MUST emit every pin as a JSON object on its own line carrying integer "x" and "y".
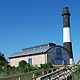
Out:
{"x": 66, "y": 74}
{"x": 34, "y": 75}
{"x": 43, "y": 74}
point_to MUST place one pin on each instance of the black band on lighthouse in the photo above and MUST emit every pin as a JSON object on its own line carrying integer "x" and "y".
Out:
{"x": 66, "y": 21}
{"x": 66, "y": 17}
{"x": 68, "y": 46}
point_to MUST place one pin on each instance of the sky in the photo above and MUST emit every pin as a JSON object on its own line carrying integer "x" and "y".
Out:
{"x": 27, "y": 23}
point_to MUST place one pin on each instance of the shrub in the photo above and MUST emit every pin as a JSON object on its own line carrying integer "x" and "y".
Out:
{"x": 46, "y": 66}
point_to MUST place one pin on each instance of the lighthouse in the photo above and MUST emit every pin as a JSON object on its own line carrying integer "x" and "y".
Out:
{"x": 66, "y": 32}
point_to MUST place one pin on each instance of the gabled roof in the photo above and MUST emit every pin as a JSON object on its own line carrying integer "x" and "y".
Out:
{"x": 39, "y": 46}
{"x": 33, "y": 50}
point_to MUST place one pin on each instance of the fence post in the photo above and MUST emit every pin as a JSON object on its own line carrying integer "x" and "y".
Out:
{"x": 63, "y": 74}
{"x": 19, "y": 78}
{"x": 58, "y": 75}
{"x": 69, "y": 74}
{"x": 66, "y": 75}
{"x": 51, "y": 70}
{"x": 47, "y": 72}
{"x": 42, "y": 72}
{"x": 33, "y": 76}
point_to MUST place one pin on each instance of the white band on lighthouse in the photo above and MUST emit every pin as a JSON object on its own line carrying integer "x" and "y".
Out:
{"x": 66, "y": 34}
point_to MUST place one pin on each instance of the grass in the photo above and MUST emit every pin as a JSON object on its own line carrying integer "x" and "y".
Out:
{"x": 4, "y": 74}
{"x": 76, "y": 74}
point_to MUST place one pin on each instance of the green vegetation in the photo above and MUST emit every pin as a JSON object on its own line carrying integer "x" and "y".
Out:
{"x": 25, "y": 67}
{"x": 2, "y": 60}
{"x": 46, "y": 66}
{"x": 76, "y": 74}
{"x": 7, "y": 70}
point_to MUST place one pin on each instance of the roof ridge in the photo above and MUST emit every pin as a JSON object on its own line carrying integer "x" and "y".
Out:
{"x": 39, "y": 46}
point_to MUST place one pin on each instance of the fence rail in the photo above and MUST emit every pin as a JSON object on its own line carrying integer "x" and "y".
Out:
{"x": 34, "y": 74}
{"x": 42, "y": 74}
{"x": 65, "y": 75}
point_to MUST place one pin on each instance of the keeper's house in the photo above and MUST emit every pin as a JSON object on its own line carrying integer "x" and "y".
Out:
{"x": 41, "y": 54}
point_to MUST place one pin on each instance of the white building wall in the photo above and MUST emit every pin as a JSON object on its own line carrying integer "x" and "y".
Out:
{"x": 36, "y": 60}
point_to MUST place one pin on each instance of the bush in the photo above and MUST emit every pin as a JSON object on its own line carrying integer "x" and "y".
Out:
{"x": 25, "y": 67}
{"x": 23, "y": 64}
{"x": 46, "y": 66}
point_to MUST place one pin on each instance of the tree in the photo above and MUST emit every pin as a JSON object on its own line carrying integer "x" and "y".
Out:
{"x": 2, "y": 59}
{"x": 23, "y": 66}
{"x": 7, "y": 68}
{"x": 23, "y": 63}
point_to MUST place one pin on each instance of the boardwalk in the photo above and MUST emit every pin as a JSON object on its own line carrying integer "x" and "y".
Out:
{"x": 58, "y": 73}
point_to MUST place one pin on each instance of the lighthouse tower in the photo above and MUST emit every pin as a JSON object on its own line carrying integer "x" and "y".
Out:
{"x": 66, "y": 32}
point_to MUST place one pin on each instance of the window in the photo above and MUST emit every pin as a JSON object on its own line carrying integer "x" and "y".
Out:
{"x": 52, "y": 61}
{"x": 58, "y": 52}
{"x": 59, "y": 56}
{"x": 65, "y": 62}
{"x": 30, "y": 61}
